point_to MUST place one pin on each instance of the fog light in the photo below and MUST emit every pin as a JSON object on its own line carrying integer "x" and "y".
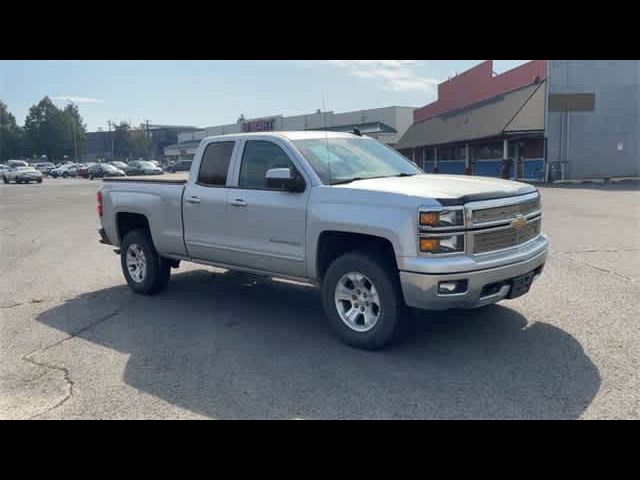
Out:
{"x": 451, "y": 287}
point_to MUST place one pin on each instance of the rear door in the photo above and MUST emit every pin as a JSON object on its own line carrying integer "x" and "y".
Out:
{"x": 205, "y": 211}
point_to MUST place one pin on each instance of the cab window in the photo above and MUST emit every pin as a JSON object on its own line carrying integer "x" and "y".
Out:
{"x": 258, "y": 157}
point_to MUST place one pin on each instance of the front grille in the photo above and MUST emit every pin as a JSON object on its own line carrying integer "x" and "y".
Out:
{"x": 505, "y": 238}
{"x": 507, "y": 212}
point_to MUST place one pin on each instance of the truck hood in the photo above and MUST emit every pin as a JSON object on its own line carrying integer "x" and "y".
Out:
{"x": 447, "y": 189}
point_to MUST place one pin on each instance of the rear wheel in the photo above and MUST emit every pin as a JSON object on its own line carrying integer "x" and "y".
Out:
{"x": 363, "y": 300}
{"x": 39, "y": 180}
{"x": 146, "y": 272}
{"x": 5, "y": 179}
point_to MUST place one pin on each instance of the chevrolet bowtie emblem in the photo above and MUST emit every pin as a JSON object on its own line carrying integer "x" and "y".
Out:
{"x": 519, "y": 222}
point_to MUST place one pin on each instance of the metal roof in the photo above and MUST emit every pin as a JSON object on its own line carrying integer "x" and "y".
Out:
{"x": 183, "y": 145}
{"x": 370, "y": 127}
{"x": 521, "y": 110}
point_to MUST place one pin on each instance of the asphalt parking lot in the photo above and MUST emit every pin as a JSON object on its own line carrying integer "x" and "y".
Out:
{"x": 76, "y": 343}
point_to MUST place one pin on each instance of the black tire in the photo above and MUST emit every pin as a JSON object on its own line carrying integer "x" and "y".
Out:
{"x": 90, "y": 177}
{"x": 158, "y": 269}
{"x": 392, "y": 321}
{"x": 4, "y": 179}
{"x": 65, "y": 175}
{"x": 39, "y": 180}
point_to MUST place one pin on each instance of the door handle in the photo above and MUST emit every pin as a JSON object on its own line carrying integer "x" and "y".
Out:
{"x": 193, "y": 200}
{"x": 238, "y": 202}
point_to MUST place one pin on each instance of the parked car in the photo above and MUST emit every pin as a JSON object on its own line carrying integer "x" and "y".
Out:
{"x": 370, "y": 229}
{"x": 142, "y": 167}
{"x": 17, "y": 163}
{"x": 180, "y": 166}
{"x": 4, "y": 168}
{"x": 73, "y": 170}
{"x": 119, "y": 165}
{"x": 62, "y": 171}
{"x": 100, "y": 170}
{"x": 45, "y": 167}
{"x": 155, "y": 163}
{"x": 22, "y": 175}
{"x": 83, "y": 169}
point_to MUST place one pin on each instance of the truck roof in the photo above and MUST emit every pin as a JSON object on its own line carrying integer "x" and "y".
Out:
{"x": 292, "y": 135}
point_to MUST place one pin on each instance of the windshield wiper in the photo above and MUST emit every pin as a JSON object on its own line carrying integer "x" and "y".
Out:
{"x": 348, "y": 180}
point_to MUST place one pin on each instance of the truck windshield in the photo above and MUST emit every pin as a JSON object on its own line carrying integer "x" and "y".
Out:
{"x": 343, "y": 160}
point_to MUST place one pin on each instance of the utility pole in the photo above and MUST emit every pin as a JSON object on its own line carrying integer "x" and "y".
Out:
{"x": 73, "y": 130}
{"x": 111, "y": 136}
{"x": 148, "y": 136}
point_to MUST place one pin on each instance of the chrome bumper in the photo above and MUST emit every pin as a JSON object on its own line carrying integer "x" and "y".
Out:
{"x": 420, "y": 290}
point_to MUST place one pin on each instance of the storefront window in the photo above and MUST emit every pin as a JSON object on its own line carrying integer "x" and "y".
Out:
{"x": 451, "y": 153}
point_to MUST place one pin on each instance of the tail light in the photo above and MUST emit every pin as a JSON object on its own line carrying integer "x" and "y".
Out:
{"x": 99, "y": 198}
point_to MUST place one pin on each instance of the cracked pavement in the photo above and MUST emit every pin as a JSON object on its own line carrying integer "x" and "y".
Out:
{"x": 76, "y": 344}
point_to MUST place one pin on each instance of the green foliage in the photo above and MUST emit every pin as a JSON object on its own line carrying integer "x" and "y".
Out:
{"x": 54, "y": 132}
{"x": 131, "y": 143}
{"x": 139, "y": 143}
{"x": 12, "y": 138}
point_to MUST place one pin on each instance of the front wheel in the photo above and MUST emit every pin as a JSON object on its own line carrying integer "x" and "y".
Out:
{"x": 65, "y": 175}
{"x": 363, "y": 300}
{"x": 146, "y": 272}
{"x": 5, "y": 179}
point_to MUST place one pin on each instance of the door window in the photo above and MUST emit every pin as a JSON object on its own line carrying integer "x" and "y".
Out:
{"x": 258, "y": 157}
{"x": 215, "y": 164}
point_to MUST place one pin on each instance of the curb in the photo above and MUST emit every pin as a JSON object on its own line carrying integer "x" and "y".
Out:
{"x": 597, "y": 180}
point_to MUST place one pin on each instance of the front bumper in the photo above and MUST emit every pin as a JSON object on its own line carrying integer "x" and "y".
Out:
{"x": 421, "y": 290}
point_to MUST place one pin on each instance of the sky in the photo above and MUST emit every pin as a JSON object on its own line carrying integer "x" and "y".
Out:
{"x": 207, "y": 93}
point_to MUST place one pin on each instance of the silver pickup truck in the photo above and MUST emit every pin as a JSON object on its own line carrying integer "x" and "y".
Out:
{"x": 343, "y": 212}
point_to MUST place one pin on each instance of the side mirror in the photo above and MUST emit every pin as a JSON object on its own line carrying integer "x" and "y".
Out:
{"x": 284, "y": 179}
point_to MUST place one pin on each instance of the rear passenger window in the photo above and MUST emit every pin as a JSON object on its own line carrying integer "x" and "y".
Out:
{"x": 215, "y": 164}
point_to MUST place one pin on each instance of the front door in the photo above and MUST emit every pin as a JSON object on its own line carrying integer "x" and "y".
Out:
{"x": 268, "y": 226}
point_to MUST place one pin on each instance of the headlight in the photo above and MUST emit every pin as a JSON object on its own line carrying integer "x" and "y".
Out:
{"x": 442, "y": 244}
{"x": 443, "y": 218}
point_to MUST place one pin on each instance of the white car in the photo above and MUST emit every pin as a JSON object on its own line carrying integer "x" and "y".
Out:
{"x": 22, "y": 175}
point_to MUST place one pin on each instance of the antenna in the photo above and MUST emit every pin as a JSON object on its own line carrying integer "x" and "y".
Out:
{"x": 326, "y": 137}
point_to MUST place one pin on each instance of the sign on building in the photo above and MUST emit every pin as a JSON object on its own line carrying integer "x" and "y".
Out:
{"x": 259, "y": 125}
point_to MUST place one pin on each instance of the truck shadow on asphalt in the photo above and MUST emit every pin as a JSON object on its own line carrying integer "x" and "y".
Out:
{"x": 230, "y": 346}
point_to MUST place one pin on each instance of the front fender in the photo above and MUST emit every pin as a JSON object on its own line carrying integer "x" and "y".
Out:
{"x": 389, "y": 222}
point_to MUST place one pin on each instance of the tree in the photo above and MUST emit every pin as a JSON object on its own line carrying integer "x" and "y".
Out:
{"x": 75, "y": 136}
{"x": 47, "y": 130}
{"x": 130, "y": 142}
{"x": 121, "y": 147}
{"x": 12, "y": 141}
{"x": 139, "y": 143}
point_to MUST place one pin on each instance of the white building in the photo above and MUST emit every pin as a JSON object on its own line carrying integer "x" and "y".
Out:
{"x": 386, "y": 124}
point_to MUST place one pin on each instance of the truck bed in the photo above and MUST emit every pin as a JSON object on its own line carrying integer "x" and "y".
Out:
{"x": 170, "y": 178}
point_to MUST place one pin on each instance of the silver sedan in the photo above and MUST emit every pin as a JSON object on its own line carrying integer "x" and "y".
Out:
{"x": 22, "y": 175}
